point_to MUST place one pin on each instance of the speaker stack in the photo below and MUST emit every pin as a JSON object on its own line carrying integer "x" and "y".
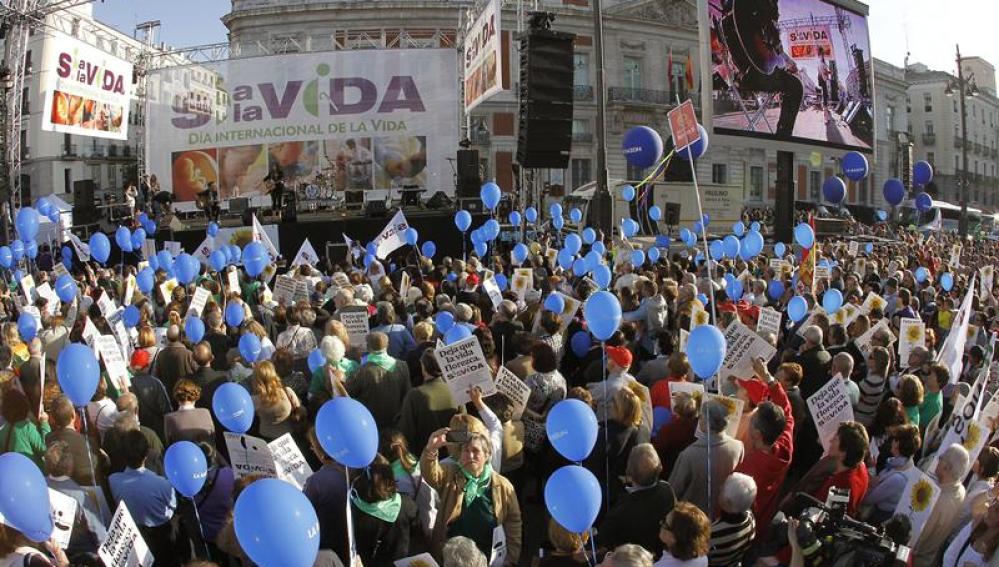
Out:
{"x": 469, "y": 180}
{"x": 84, "y": 207}
{"x": 545, "y": 120}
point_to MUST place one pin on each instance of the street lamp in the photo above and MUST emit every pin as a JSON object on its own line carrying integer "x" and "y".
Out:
{"x": 966, "y": 87}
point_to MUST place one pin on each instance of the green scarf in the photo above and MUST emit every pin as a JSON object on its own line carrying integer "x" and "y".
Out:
{"x": 476, "y": 487}
{"x": 382, "y": 359}
{"x": 385, "y": 510}
{"x": 400, "y": 471}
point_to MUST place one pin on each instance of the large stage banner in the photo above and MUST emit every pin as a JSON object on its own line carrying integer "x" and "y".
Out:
{"x": 343, "y": 120}
{"x": 483, "y": 56}
{"x": 87, "y": 91}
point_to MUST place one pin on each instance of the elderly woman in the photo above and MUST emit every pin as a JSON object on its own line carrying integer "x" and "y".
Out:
{"x": 474, "y": 499}
{"x": 690, "y": 477}
{"x": 327, "y": 381}
{"x": 188, "y": 423}
{"x": 686, "y": 533}
{"x": 734, "y": 529}
{"x": 274, "y": 403}
{"x": 548, "y": 388}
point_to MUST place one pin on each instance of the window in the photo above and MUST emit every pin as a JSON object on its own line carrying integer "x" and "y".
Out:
{"x": 755, "y": 182}
{"x": 579, "y": 126}
{"x": 928, "y": 127}
{"x": 633, "y": 72}
{"x": 27, "y": 62}
{"x": 908, "y": 104}
{"x": 814, "y": 185}
{"x": 890, "y": 116}
{"x": 930, "y": 158}
{"x": 580, "y": 172}
{"x": 679, "y": 76}
{"x": 955, "y": 105}
{"x": 719, "y": 173}
{"x": 67, "y": 180}
{"x": 957, "y": 165}
{"x": 581, "y": 69}
{"x": 635, "y": 173}
{"x": 25, "y": 106}
{"x": 927, "y": 102}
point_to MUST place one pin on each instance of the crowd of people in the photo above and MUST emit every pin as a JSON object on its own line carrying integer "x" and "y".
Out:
{"x": 680, "y": 485}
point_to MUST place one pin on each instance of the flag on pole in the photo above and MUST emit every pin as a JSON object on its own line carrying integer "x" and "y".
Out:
{"x": 260, "y": 236}
{"x": 952, "y": 352}
{"x": 306, "y": 255}
{"x": 392, "y": 237}
{"x": 688, "y": 72}
{"x": 205, "y": 249}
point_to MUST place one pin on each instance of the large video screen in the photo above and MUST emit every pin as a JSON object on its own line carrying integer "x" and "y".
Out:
{"x": 791, "y": 71}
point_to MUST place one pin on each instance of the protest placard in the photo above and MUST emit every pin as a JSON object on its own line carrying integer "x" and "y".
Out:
{"x": 918, "y": 498}
{"x": 829, "y": 407}
{"x": 355, "y": 319}
{"x": 493, "y": 291}
{"x": 523, "y": 279}
{"x": 692, "y": 389}
{"x": 569, "y": 307}
{"x": 511, "y": 386}
{"x": 149, "y": 248}
{"x": 341, "y": 279}
{"x": 684, "y": 335}
{"x": 28, "y": 288}
{"x": 776, "y": 264}
{"x": 63, "y": 510}
{"x": 198, "y": 302}
{"x": 698, "y": 315}
{"x": 912, "y": 333}
{"x": 769, "y": 321}
{"x": 232, "y": 277}
{"x": 303, "y": 290}
{"x": 289, "y": 462}
{"x": 871, "y": 302}
{"x": 90, "y": 334}
{"x": 955, "y": 256}
{"x": 744, "y": 346}
{"x": 284, "y": 290}
{"x": 126, "y": 298}
{"x": 124, "y": 546}
{"x": 106, "y": 304}
{"x": 986, "y": 280}
{"x": 60, "y": 270}
{"x": 108, "y": 347}
{"x": 821, "y": 273}
{"x": 249, "y": 455}
{"x": 117, "y": 323}
{"x": 405, "y": 282}
{"x": 46, "y": 292}
{"x": 850, "y": 312}
{"x": 464, "y": 366}
{"x": 166, "y": 289}
{"x": 863, "y": 342}
{"x": 853, "y": 248}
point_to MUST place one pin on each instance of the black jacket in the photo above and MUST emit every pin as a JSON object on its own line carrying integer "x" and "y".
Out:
{"x": 636, "y": 517}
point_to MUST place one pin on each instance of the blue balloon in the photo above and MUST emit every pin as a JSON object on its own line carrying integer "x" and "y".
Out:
{"x": 705, "y": 350}
{"x": 347, "y": 431}
{"x": 637, "y": 258}
{"x": 145, "y": 279}
{"x": 138, "y": 239}
{"x": 31, "y": 249}
{"x": 490, "y": 194}
{"x": 703, "y": 299}
{"x": 276, "y": 524}
{"x": 855, "y": 166}
{"x": 628, "y": 193}
{"x": 26, "y": 223}
{"x": 43, "y": 206}
{"x": 755, "y": 227}
{"x": 194, "y": 328}
{"x": 780, "y": 249}
{"x": 463, "y": 220}
{"x": 738, "y": 228}
{"x": 520, "y": 253}
{"x": 555, "y": 303}
{"x": 573, "y": 243}
{"x": 429, "y": 249}
{"x": 565, "y": 259}
{"x": 457, "y": 332}
{"x": 412, "y": 236}
{"x": 573, "y": 497}
{"x": 834, "y": 190}
{"x": 217, "y": 260}
{"x": 894, "y": 191}
{"x": 947, "y": 281}
{"x": 698, "y": 228}
{"x": 501, "y": 281}
{"x": 599, "y": 247}
{"x": 17, "y": 248}
{"x": 660, "y": 417}
{"x": 753, "y": 243}
{"x": 515, "y": 218}
{"x": 185, "y": 271}
{"x": 250, "y": 347}
{"x": 592, "y": 260}
{"x": 922, "y": 173}
{"x": 602, "y": 276}
{"x": 662, "y": 241}
{"x": 775, "y": 289}
{"x": 924, "y": 202}
{"x": 6, "y": 257}
{"x": 576, "y": 215}
{"x": 531, "y": 214}
{"x": 255, "y": 258}
{"x": 123, "y": 238}
{"x": 316, "y": 360}
{"x": 491, "y": 229}
{"x": 27, "y": 326}
{"x": 237, "y": 253}
{"x": 213, "y": 229}
{"x": 921, "y": 274}
{"x": 78, "y": 373}
{"x": 602, "y": 312}
{"x": 572, "y": 429}
{"x": 630, "y": 227}
{"x": 481, "y": 249}
{"x": 881, "y": 215}
{"x": 558, "y": 222}
{"x": 186, "y": 467}
{"x": 66, "y": 288}
{"x": 444, "y": 321}
{"x": 642, "y": 147}
{"x": 804, "y": 235}
{"x": 234, "y": 314}
{"x": 579, "y": 267}
{"x": 687, "y": 237}
{"x": 653, "y": 254}
{"x": 731, "y": 245}
{"x": 131, "y": 316}
{"x": 655, "y": 213}
{"x": 100, "y": 247}
{"x": 233, "y": 406}
{"x": 53, "y": 215}
{"x": 698, "y": 148}
{"x": 734, "y": 291}
{"x": 580, "y": 343}
{"x": 165, "y": 260}
{"x": 555, "y": 210}
{"x": 24, "y": 497}
{"x": 18, "y": 275}
{"x": 371, "y": 249}
{"x": 717, "y": 250}
{"x": 797, "y": 308}
{"x": 869, "y": 248}
{"x": 832, "y": 300}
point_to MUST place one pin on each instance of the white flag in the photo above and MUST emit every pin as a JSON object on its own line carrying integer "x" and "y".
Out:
{"x": 261, "y": 236}
{"x": 392, "y": 237}
{"x": 306, "y": 255}
{"x": 82, "y": 250}
{"x": 952, "y": 351}
{"x": 204, "y": 250}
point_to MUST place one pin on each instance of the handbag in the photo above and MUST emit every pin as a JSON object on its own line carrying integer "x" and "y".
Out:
{"x": 299, "y": 416}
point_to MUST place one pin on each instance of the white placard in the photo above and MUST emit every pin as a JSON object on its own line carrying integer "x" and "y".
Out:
{"x": 45, "y": 291}
{"x": 148, "y": 248}
{"x": 918, "y": 499}
{"x": 464, "y": 366}
{"x": 743, "y": 346}
{"x": 198, "y": 302}
{"x": 863, "y": 342}
{"x": 249, "y": 455}
{"x": 289, "y": 462}
{"x": 108, "y": 347}
{"x": 124, "y": 546}
{"x": 302, "y": 290}
{"x": 911, "y": 333}
{"x": 129, "y": 290}
{"x": 60, "y": 270}
{"x": 492, "y": 290}
{"x": 698, "y": 315}
{"x": 28, "y": 288}
{"x": 166, "y": 289}
{"x": 769, "y": 321}
{"x": 106, "y": 304}
{"x": 284, "y": 290}
{"x": 955, "y": 256}
{"x": 406, "y": 282}
{"x": 523, "y": 280}
{"x": 204, "y": 250}
{"x": 232, "y": 276}
{"x": 692, "y": 389}
{"x": 829, "y": 407}
{"x": 511, "y": 386}
{"x": 986, "y": 281}
{"x": 174, "y": 248}
{"x": 356, "y": 321}
{"x": 821, "y": 273}
{"x": 63, "y": 510}
{"x": 90, "y": 334}
{"x": 853, "y": 248}
{"x": 684, "y": 335}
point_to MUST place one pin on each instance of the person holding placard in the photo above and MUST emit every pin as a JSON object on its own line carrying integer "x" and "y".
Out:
{"x": 273, "y": 402}
{"x": 87, "y": 528}
{"x": 548, "y": 387}
{"x": 951, "y": 468}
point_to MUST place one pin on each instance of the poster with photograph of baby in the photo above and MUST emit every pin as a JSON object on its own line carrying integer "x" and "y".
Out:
{"x": 349, "y": 161}
{"x": 242, "y": 170}
{"x": 297, "y": 160}
{"x": 192, "y": 171}
{"x": 400, "y": 161}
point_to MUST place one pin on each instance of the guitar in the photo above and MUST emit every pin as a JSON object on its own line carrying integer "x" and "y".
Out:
{"x": 750, "y": 29}
{"x": 205, "y": 199}
{"x": 269, "y": 186}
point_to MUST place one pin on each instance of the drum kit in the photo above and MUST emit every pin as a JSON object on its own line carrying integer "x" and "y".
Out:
{"x": 319, "y": 193}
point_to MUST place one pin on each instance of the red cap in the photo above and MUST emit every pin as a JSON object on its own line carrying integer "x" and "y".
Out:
{"x": 755, "y": 389}
{"x": 620, "y": 355}
{"x": 140, "y": 359}
{"x": 472, "y": 280}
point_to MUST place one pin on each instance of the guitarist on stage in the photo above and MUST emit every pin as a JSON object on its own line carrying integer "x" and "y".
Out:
{"x": 274, "y": 184}
{"x": 209, "y": 200}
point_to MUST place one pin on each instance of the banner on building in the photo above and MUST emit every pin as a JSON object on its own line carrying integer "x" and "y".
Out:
{"x": 87, "y": 91}
{"x": 483, "y": 56}
{"x": 363, "y": 119}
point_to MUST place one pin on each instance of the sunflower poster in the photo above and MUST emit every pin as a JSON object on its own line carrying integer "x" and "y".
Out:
{"x": 912, "y": 333}
{"x": 917, "y": 500}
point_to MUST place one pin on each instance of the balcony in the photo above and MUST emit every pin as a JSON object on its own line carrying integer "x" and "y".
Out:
{"x": 479, "y": 137}
{"x": 582, "y": 137}
{"x": 641, "y": 96}
{"x": 69, "y": 150}
{"x": 929, "y": 138}
{"x": 582, "y": 92}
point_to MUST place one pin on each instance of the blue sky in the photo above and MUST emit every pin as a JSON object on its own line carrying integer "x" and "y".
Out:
{"x": 927, "y": 28}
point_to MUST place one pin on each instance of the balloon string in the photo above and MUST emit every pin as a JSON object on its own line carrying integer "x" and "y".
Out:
{"x": 201, "y": 529}
{"x": 86, "y": 438}
{"x": 603, "y": 352}
{"x": 593, "y": 547}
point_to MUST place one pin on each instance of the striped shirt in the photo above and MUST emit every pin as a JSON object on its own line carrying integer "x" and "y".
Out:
{"x": 731, "y": 536}
{"x": 872, "y": 389}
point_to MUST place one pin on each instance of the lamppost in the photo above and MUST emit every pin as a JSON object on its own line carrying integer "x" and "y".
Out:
{"x": 6, "y": 197}
{"x": 966, "y": 87}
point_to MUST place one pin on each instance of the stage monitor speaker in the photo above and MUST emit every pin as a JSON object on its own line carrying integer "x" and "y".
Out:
{"x": 546, "y": 86}
{"x": 469, "y": 180}
{"x": 375, "y": 209}
{"x": 84, "y": 208}
{"x": 238, "y": 205}
{"x": 439, "y": 200}
{"x": 671, "y": 214}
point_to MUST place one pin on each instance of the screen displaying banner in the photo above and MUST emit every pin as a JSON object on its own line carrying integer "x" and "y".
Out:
{"x": 344, "y": 120}
{"x": 483, "y": 56}
{"x": 791, "y": 71}
{"x": 87, "y": 91}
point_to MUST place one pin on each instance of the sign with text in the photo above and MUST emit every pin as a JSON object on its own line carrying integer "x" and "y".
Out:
{"x": 483, "y": 56}
{"x": 289, "y": 462}
{"x": 357, "y": 323}
{"x": 249, "y": 455}
{"x": 769, "y": 321}
{"x": 198, "y": 302}
{"x": 683, "y": 125}
{"x": 464, "y": 366}
{"x": 744, "y": 346}
{"x": 107, "y": 345}
{"x": 829, "y": 407}
{"x": 511, "y": 386}
{"x": 911, "y": 333}
{"x": 124, "y": 546}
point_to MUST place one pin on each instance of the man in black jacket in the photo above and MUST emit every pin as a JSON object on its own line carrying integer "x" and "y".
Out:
{"x": 636, "y": 516}
{"x": 154, "y": 401}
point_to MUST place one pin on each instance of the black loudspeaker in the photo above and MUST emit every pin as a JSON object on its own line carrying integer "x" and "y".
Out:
{"x": 545, "y": 122}
{"x": 784, "y": 197}
{"x": 289, "y": 209}
{"x": 84, "y": 208}
{"x": 439, "y": 200}
{"x": 248, "y": 216}
{"x": 469, "y": 181}
{"x": 238, "y": 205}
{"x": 375, "y": 209}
